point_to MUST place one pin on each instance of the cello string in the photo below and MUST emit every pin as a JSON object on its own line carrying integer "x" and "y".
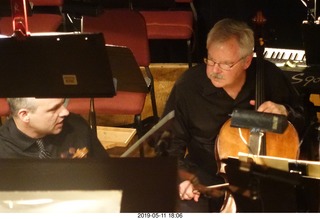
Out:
{"x": 242, "y": 138}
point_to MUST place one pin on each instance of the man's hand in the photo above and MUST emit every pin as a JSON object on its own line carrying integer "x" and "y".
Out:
{"x": 271, "y": 107}
{"x": 187, "y": 191}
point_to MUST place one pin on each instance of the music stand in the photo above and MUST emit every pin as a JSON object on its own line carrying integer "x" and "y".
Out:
{"x": 56, "y": 65}
{"x": 259, "y": 188}
{"x": 125, "y": 69}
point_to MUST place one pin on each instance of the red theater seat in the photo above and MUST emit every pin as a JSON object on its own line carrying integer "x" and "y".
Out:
{"x": 36, "y": 23}
{"x": 172, "y": 23}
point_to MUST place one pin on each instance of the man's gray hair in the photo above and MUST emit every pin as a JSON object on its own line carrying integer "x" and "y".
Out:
{"x": 228, "y": 28}
{"x": 16, "y": 104}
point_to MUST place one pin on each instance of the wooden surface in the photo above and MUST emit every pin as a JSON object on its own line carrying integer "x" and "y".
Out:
{"x": 115, "y": 137}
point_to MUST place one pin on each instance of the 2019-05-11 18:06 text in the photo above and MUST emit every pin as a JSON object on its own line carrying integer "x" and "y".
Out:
{"x": 160, "y": 215}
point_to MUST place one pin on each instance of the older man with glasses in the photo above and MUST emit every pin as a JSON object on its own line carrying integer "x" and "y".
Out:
{"x": 206, "y": 95}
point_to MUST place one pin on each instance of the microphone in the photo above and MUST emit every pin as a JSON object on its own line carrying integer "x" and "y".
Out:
{"x": 260, "y": 120}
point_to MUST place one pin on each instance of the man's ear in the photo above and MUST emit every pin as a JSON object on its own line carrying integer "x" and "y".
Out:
{"x": 24, "y": 115}
{"x": 248, "y": 61}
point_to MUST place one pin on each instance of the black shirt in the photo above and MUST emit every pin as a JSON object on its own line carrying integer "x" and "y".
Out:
{"x": 75, "y": 134}
{"x": 201, "y": 109}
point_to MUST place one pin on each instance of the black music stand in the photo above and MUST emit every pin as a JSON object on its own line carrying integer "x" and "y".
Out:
{"x": 56, "y": 65}
{"x": 258, "y": 188}
{"x": 125, "y": 69}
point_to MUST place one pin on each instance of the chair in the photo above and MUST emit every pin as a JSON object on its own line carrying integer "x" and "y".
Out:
{"x": 126, "y": 27}
{"x": 37, "y": 22}
{"x": 124, "y": 103}
{"x": 165, "y": 20}
{"x": 190, "y": 5}
{"x": 4, "y": 109}
{"x": 130, "y": 96}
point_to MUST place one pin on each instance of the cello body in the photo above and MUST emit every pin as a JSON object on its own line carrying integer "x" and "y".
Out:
{"x": 232, "y": 140}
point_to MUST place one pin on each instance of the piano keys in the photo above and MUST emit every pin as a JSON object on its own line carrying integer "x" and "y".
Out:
{"x": 293, "y": 62}
{"x": 283, "y": 57}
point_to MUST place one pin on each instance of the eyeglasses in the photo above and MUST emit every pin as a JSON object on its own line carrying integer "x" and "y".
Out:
{"x": 223, "y": 66}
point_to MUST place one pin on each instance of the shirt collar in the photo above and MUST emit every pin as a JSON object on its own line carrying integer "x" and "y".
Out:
{"x": 19, "y": 138}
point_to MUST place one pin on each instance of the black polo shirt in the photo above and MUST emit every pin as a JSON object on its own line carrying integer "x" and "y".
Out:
{"x": 201, "y": 109}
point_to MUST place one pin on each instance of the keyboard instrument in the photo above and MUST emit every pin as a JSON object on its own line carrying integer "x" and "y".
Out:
{"x": 293, "y": 62}
{"x": 285, "y": 57}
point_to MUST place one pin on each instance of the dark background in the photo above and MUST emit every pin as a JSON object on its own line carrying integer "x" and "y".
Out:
{"x": 282, "y": 29}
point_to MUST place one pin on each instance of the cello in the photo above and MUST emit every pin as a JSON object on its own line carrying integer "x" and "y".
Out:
{"x": 254, "y": 141}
